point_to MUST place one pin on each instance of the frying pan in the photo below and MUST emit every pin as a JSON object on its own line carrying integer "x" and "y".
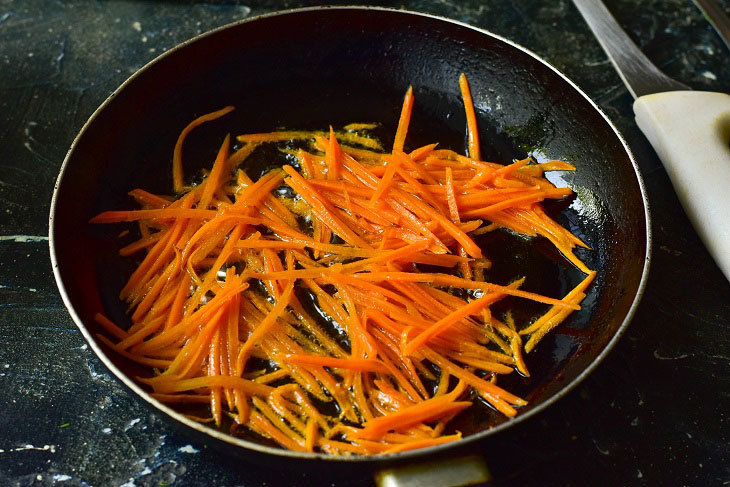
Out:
{"x": 307, "y": 69}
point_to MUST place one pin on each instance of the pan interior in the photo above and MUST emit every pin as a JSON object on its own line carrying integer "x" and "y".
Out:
{"x": 312, "y": 69}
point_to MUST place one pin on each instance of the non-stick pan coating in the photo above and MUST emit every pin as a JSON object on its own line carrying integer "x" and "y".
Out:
{"x": 309, "y": 69}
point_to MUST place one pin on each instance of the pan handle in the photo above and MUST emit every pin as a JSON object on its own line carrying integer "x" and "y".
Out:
{"x": 690, "y": 131}
{"x": 449, "y": 472}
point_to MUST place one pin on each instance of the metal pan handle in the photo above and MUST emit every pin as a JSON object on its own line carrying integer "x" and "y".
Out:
{"x": 449, "y": 472}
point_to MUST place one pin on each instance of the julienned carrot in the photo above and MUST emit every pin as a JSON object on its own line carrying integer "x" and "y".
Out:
{"x": 404, "y": 121}
{"x": 264, "y": 298}
{"x": 110, "y": 327}
{"x": 363, "y": 365}
{"x": 250, "y": 387}
{"x": 447, "y": 280}
{"x": 264, "y": 327}
{"x": 391, "y": 167}
{"x": 160, "y": 214}
{"x": 177, "y": 169}
{"x": 471, "y": 118}
{"x": 450, "y": 320}
{"x": 214, "y": 178}
{"x": 321, "y": 209}
{"x": 410, "y": 416}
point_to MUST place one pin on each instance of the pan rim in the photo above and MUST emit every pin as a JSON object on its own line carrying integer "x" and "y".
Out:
{"x": 403, "y": 456}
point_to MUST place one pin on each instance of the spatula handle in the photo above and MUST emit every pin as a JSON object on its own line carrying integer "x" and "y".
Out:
{"x": 690, "y": 131}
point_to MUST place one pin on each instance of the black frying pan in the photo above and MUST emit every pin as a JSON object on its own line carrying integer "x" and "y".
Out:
{"x": 311, "y": 68}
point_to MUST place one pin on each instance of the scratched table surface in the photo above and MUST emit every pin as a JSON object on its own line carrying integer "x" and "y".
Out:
{"x": 654, "y": 413}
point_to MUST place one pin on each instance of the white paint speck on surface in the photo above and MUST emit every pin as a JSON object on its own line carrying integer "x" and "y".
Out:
{"x": 709, "y": 75}
{"x": 59, "y": 477}
{"x": 50, "y": 448}
{"x": 132, "y": 423}
{"x": 137, "y": 26}
{"x": 23, "y": 238}
{"x": 188, "y": 449}
{"x": 107, "y": 431}
{"x": 658, "y": 356}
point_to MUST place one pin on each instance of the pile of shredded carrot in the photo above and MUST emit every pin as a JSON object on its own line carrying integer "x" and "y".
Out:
{"x": 296, "y": 306}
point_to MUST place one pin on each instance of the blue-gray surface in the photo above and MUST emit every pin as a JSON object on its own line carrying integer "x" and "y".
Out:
{"x": 654, "y": 413}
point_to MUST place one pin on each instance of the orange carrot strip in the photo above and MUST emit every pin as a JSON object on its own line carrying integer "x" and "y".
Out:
{"x": 249, "y": 387}
{"x": 350, "y": 363}
{"x": 499, "y": 404}
{"x": 140, "y": 244}
{"x": 110, "y": 327}
{"x": 450, "y": 320}
{"x": 262, "y": 425}
{"x": 144, "y": 198}
{"x": 457, "y": 233}
{"x": 214, "y": 178}
{"x": 277, "y": 136}
{"x": 333, "y": 157}
{"x": 264, "y": 326}
{"x": 322, "y": 209}
{"x": 149, "y": 362}
{"x": 214, "y": 370}
{"x": 410, "y": 416}
{"x": 240, "y": 155}
{"x": 390, "y": 169}
{"x": 177, "y": 169}
{"x": 448, "y": 280}
{"x": 159, "y": 214}
{"x": 471, "y": 118}
{"x": 488, "y": 211}
{"x": 471, "y": 379}
{"x": 404, "y": 121}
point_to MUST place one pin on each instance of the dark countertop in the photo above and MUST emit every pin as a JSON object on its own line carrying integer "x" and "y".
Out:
{"x": 654, "y": 413}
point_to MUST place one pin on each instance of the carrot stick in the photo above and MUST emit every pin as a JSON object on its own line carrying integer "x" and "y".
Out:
{"x": 249, "y": 387}
{"x": 321, "y": 208}
{"x": 404, "y": 121}
{"x": 177, "y": 169}
{"x": 425, "y": 411}
{"x": 333, "y": 157}
{"x": 447, "y": 280}
{"x": 448, "y": 321}
{"x": 264, "y": 326}
{"x": 214, "y": 178}
{"x": 110, "y": 327}
{"x": 351, "y": 363}
{"x": 391, "y": 167}
{"x": 159, "y": 214}
{"x": 471, "y": 118}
